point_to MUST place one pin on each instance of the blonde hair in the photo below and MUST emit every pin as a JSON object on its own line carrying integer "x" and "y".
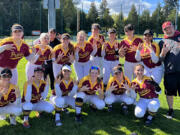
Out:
{"x": 43, "y": 35}
{"x": 81, "y": 32}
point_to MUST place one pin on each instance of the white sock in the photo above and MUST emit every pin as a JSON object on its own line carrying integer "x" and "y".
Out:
{"x": 78, "y": 110}
{"x": 57, "y": 116}
{"x": 26, "y": 118}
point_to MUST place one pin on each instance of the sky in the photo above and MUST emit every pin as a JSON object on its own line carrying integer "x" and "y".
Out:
{"x": 115, "y": 5}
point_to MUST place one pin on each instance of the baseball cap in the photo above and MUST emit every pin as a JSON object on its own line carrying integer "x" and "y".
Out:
{"x": 66, "y": 67}
{"x": 96, "y": 26}
{"x": 66, "y": 35}
{"x": 6, "y": 73}
{"x": 17, "y": 27}
{"x": 111, "y": 30}
{"x": 148, "y": 32}
{"x": 166, "y": 24}
{"x": 38, "y": 69}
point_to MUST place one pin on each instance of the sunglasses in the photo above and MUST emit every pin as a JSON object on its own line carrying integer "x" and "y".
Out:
{"x": 66, "y": 70}
{"x": 94, "y": 67}
{"x": 6, "y": 76}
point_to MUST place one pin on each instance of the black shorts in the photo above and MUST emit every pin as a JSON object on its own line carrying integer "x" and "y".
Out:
{"x": 172, "y": 84}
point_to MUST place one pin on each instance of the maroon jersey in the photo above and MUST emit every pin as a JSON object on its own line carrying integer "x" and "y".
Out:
{"x": 110, "y": 52}
{"x": 9, "y": 97}
{"x": 86, "y": 81}
{"x": 119, "y": 88}
{"x": 66, "y": 87}
{"x": 65, "y": 59}
{"x": 145, "y": 55}
{"x": 85, "y": 52}
{"x": 145, "y": 89}
{"x": 131, "y": 48}
{"x": 36, "y": 91}
{"x": 10, "y": 58}
{"x": 46, "y": 54}
{"x": 99, "y": 45}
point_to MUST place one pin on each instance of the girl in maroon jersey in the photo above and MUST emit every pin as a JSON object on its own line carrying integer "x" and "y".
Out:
{"x": 12, "y": 49}
{"x": 65, "y": 89}
{"x": 148, "y": 91}
{"x": 10, "y": 97}
{"x": 83, "y": 51}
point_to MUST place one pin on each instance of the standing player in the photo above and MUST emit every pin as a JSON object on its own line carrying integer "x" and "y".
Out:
{"x": 118, "y": 90}
{"x": 62, "y": 54}
{"x": 98, "y": 40}
{"x": 128, "y": 50}
{"x": 88, "y": 89}
{"x": 83, "y": 51}
{"x": 148, "y": 91}
{"x": 148, "y": 53}
{"x": 45, "y": 55}
{"x": 12, "y": 49}
{"x": 110, "y": 54}
{"x": 65, "y": 89}
{"x": 10, "y": 97}
{"x": 34, "y": 95}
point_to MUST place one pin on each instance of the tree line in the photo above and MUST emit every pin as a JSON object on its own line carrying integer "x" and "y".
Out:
{"x": 32, "y": 16}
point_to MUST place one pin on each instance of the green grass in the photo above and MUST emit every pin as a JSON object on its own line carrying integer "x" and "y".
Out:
{"x": 95, "y": 123}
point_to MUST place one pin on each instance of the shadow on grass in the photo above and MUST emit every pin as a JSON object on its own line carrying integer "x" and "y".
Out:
{"x": 95, "y": 123}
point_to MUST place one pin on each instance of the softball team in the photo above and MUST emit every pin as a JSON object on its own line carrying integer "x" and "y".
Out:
{"x": 90, "y": 58}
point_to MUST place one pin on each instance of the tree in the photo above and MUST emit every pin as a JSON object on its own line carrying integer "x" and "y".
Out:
{"x": 103, "y": 8}
{"x": 119, "y": 23}
{"x": 133, "y": 17}
{"x": 157, "y": 19}
{"x": 145, "y": 21}
{"x": 92, "y": 13}
{"x": 169, "y": 5}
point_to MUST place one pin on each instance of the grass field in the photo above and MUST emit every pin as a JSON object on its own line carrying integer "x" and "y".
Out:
{"x": 95, "y": 123}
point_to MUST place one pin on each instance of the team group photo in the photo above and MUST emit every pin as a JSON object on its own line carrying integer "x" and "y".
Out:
{"x": 90, "y": 71}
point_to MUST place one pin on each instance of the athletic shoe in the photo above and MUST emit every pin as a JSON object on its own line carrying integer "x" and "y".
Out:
{"x": 125, "y": 109}
{"x": 12, "y": 120}
{"x": 109, "y": 108}
{"x": 66, "y": 110}
{"x": 58, "y": 123}
{"x": 26, "y": 124}
{"x": 149, "y": 120}
{"x": 170, "y": 114}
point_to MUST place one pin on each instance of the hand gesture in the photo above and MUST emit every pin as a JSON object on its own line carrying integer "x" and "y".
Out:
{"x": 116, "y": 45}
{"x": 9, "y": 47}
{"x": 100, "y": 91}
{"x": 33, "y": 49}
{"x": 18, "y": 93}
{"x": 31, "y": 80}
{"x": 113, "y": 87}
{"x": 58, "y": 80}
{"x": 122, "y": 51}
{"x": 140, "y": 46}
{"x": 71, "y": 57}
{"x": 101, "y": 41}
{"x": 134, "y": 86}
{"x": 77, "y": 49}
{"x": 39, "y": 52}
{"x": 85, "y": 88}
{"x": 165, "y": 50}
{"x": 60, "y": 56}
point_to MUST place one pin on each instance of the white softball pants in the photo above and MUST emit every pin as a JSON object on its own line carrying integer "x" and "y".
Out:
{"x": 11, "y": 109}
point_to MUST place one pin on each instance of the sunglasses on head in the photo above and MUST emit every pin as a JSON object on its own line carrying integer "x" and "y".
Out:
{"x": 94, "y": 67}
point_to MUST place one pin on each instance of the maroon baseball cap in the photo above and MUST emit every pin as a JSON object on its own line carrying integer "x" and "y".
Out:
{"x": 166, "y": 24}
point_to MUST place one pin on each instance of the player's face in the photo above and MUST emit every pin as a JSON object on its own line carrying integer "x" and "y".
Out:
{"x": 65, "y": 41}
{"x": 17, "y": 34}
{"x": 52, "y": 35}
{"x": 94, "y": 73}
{"x": 129, "y": 33}
{"x": 38, "y": 75}
{"x": 45, "y": 40}
{"x": 169, "y": 31}
{"x": 148, "y": 37}
{"x": 119, "y": 75}
{"x": 5, "y": 79}
{"x": 139, "y": 71}
{"x": 95, "y": 31}
{"x": 112, "y": 36}
{"x": 81, "y": 38}
{"x": 66, "y": 73}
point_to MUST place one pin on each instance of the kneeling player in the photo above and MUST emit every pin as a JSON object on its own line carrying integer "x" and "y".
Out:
{"x": 65, "y": 90}
{"x": 9, "y": 97}
{"x": 34, "y": 94}
{"x": 148, "y": 91}
{"x": 88, "y": 88}
{"x": 118, "y": 90}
